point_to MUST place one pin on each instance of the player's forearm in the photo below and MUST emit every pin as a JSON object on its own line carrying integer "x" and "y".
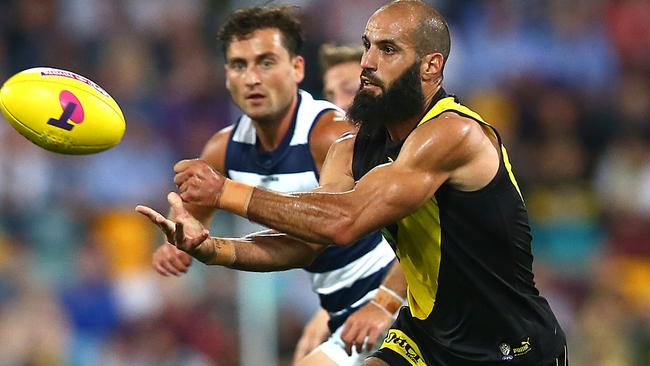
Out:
{"x": 326, "y": 218}
{"x": 395, "y": 280}
{"x": 261, "y": 252}
{"x": 392, "y": 292}
{"x": 315, "y": 217}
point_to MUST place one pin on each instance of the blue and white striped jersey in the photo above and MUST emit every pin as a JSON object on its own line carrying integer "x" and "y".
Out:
{"x": 345, "y": 278}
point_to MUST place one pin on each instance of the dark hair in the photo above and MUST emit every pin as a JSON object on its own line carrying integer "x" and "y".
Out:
{"x": 330, "y": 55}
{"x": 243, "y": 22}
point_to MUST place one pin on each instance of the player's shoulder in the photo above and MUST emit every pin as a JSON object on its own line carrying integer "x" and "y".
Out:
{"x": 219, "y": 138}
{"x": 329, "y": 126}
{"x": 449, "y": 128}
{"x": 449, "y": 140}
{"x": 214, "y": 151}
{"x": 344, "y": 145}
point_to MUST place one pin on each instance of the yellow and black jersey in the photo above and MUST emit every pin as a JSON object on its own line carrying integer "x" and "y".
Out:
{"x": 468, "y": 262}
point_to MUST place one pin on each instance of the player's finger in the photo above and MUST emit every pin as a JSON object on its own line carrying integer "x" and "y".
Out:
{"x": 157, "y": 258}
{"x": 190, "y": 193}
{"x": 359, "y": 340}
{"x": 185, "y": 188}
{"x": 176, "y": 203}
{"x": 157, "y": 265}
{"x": 168, "y": 268}
{"x": 183, "y": 257}
{"x": 167, "y": 226}
{"x": 183, "y": 165}
{"x": 175, "y": 262}
{"x": 179, "y": 236}
{"x": 348, "y": 336}
{"x": 185, "y": 195}
{"x": 194, "y": 242}
{"x": 147, "y": 211}
{"x": 373, "y": 335}
{"x": 153, "y": 215}
{"x": 181, "y": 178}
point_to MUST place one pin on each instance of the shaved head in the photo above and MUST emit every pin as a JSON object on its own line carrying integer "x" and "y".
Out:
{"x": 406, "y": 44}
{"x": 428, "y": 29}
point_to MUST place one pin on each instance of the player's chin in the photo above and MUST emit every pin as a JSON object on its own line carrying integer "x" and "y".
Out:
{"x": 258, "y": 112}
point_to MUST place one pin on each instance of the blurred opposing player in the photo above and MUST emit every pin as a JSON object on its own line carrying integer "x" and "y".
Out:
{"x": 341, "y": 72}
{"x": 280, "y": 143}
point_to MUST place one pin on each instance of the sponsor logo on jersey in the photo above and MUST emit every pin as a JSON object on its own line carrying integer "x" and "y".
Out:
{"x": 505, "y": 351}
{"x": 509, "y": 352}
{"x": 399, "y": 342}
{"x": 523, "y": 349}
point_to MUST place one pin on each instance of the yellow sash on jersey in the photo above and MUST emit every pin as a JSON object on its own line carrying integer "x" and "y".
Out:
{"x": 418, "y": 239}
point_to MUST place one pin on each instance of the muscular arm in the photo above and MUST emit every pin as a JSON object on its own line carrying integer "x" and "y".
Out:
{"x": 438, "y": 151}
{"x": 268, "y": 251}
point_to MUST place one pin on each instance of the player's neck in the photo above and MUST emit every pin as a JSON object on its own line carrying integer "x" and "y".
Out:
{"x": 399, "y": 131}
{"x": 271, "y": 132}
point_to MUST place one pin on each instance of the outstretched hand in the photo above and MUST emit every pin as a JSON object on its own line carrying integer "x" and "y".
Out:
{"x": 198, "y": 183}
{"x": 186, "y": 233}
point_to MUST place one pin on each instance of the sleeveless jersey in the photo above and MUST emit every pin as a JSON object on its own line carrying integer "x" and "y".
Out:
{"x": 468, "y": 261}
{"x": 345, "y": 278}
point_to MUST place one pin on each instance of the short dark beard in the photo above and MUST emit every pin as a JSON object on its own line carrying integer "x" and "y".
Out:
{"x": 401, "y": 101}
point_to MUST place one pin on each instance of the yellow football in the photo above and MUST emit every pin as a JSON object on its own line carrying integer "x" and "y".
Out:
{"x": 61, "y": 111}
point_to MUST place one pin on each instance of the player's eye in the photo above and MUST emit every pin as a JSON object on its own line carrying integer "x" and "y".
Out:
{"x": 388, "y": 50}
{"x": 237, "y": 66}
{"x": 267, "y": 64}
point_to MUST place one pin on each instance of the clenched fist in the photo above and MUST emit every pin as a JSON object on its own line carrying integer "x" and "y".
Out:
{"x": 198, "y": 183}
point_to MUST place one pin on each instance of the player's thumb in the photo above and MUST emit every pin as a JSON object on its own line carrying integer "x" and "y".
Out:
{"x": 182, "y": 165}
{"x": 176, "y": 203}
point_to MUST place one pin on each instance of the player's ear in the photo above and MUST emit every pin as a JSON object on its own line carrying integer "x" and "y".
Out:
{"x": 298, "y": 68}
{"x": 225, "y": 71}
{"x": 431, "y": 66}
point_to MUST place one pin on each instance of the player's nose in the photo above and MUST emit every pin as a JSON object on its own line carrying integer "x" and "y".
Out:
{"x": 252, "y": 78}
{"x": 369, "y": 60}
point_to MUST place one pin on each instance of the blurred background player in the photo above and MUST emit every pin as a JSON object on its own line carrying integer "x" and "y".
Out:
{"x": 280, "y": 143}
{"x": 341, "y": 72}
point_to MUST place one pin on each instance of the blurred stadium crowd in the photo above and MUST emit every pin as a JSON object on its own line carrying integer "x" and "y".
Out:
{"x": 566, "y": 82}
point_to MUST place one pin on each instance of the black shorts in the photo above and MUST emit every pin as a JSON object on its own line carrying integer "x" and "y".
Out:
{"x": 403, "y": 346}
